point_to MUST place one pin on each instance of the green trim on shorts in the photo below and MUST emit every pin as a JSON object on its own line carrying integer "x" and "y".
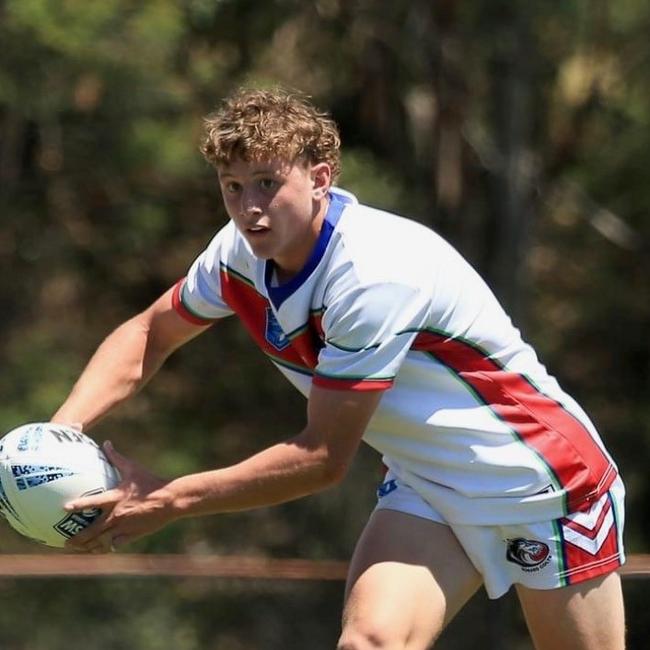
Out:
{"x": 617, "y": 523}
{"x": 559, "y": 549}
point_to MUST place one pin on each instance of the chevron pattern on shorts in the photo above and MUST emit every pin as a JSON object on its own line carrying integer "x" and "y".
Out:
{"x": 588, "y": 530}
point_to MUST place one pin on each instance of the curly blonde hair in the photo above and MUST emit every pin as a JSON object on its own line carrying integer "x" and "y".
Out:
{"x": 261, "y": 124}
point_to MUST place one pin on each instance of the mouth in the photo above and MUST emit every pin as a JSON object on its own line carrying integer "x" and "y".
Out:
{"x": 257, "y": 230}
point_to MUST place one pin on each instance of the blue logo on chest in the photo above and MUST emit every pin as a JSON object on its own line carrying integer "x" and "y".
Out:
{"x": 274, "y": 333}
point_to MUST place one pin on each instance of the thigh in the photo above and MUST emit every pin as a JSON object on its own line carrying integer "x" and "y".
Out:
{"x": 586, "y": 616}
{"x": 408, "y": 577}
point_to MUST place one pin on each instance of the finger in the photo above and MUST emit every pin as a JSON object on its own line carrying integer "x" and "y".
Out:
{"x": 97, "y": 534}
{"x": 119, "y": 541}
{"x": 121, "y": 462}
{"x": 73, "y": 549}
{"x": 101, "y": 549}
{"x": 90, "y": 535}
{"x": 79, "y": 547}
{"x": 107, "y": 542}
{"x": 101, "y": 500}
{"x": 86, "y": 539}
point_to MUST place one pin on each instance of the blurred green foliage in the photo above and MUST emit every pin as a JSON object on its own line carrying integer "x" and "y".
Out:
{"x": 519, "y": 130}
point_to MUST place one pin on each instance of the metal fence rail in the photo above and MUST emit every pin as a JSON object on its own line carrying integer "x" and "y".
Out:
{"x": 208, "y": 566}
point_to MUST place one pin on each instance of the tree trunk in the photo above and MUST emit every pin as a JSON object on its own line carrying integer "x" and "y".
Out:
{"x": 511, "y": 197}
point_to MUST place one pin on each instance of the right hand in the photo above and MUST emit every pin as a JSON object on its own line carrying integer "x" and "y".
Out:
{"x": 138, "y": 506}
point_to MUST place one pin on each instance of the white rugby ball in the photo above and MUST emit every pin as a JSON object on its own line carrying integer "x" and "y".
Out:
{"x": 42, "y": 466}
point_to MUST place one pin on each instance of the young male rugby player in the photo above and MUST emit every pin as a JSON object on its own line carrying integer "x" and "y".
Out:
{"x": 495, "y": 475}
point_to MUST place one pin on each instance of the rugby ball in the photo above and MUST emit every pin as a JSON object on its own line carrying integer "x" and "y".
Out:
{"x": 42, "y": 466}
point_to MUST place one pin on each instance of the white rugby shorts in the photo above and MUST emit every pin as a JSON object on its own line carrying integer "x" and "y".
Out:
{"x": 542, "y": 555}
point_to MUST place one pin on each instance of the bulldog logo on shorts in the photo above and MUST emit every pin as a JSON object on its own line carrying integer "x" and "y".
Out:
{"x": 527, "y": 553}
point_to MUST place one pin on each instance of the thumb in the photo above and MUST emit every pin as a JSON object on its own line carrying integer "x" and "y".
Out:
{"x": 116, "y": 459}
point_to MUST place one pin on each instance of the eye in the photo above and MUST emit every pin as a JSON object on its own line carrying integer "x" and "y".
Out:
{"x": 267, "y": 183}
{"x": 231, "y": 187}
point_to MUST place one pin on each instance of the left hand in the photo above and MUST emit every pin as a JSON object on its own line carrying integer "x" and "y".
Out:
{"x": 138, "y": 506}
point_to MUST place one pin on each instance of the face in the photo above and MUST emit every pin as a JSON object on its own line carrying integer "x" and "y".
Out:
{"x": 277, "y": 206}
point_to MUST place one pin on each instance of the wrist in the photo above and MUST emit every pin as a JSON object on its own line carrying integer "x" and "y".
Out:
{"x": 172, "y": 500}
{"x": 67, "y": 422}
{"x": 184, "y": 497}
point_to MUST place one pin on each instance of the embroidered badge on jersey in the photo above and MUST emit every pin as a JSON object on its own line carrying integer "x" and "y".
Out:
{"x": 274, "y": 333}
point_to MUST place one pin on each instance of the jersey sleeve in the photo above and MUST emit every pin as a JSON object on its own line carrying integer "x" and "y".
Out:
{"x": 197, "y": 297}
{"x": 368, "y": 333}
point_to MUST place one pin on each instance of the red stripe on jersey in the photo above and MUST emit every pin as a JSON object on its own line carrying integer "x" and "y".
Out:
{"x": 351, "y": 384}
{"x": 177, "y": 304}
{"x": 251, "y": 307}
{"x": 306, "y": 345}
{"x": 562, "y": 441}
{"x": 309, "y": 342}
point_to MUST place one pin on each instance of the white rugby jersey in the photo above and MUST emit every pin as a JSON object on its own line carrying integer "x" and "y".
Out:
{"x": 469, "y": 417}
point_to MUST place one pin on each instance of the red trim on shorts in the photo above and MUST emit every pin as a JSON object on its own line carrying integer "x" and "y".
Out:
{"x": 581, "y": 564}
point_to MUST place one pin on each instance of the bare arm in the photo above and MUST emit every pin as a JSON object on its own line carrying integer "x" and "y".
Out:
{"x": 316, "y": 458}
{"x": 125, "y": 361}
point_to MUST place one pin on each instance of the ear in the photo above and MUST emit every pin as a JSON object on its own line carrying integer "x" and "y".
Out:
{"x": 321, "y": 175}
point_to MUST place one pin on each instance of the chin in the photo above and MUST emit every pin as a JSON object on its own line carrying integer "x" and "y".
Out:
{"x": 260, "y": 253}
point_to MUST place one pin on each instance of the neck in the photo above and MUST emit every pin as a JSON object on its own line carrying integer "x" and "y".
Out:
{"x": 287, "y": 269}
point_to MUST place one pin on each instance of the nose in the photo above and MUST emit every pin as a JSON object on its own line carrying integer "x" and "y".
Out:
{"x": 249, "y": 206}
